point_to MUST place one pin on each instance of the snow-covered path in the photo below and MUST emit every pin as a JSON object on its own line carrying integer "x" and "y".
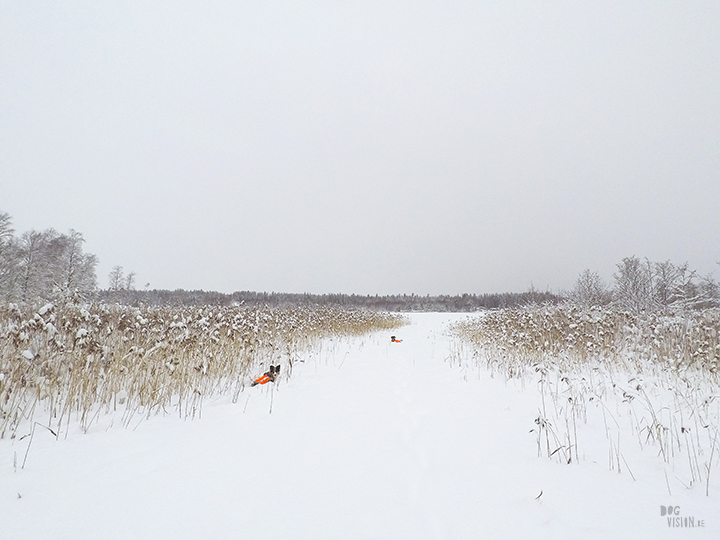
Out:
{"x": 370, "y": 439}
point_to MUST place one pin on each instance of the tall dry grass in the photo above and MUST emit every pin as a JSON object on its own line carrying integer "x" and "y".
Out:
{"x": 77, "y": 362}
{"x": 652, "y": 380}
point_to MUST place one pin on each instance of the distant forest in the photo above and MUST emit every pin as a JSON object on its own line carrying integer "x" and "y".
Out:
{"x": 47, "y": 266}
{"x": 403, "y": 302}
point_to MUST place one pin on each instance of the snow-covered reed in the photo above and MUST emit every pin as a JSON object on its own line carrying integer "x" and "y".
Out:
{"x": 649, "y": 378}
{"x": 76, "y": 361}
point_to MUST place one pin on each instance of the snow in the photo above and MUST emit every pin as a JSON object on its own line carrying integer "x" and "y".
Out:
{"x": 366, "y": 439}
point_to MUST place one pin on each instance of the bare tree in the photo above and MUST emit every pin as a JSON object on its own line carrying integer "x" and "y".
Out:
{"x": 647, "y": 286}
{"x": 668, "y": 281}
{"x": 677, "y": 286}
{"x": 590, "y": 290}
{"x": 75, "y": 273}
{"x": 634, "y": 285}
{"x": 34, "y": 264}
{"x": 44, "y": 265}
{"x": 130, "y": 281}
{"x": 116, "y": 279}
{"x": 8, "y": 257}
{"x": 6, "y": 230}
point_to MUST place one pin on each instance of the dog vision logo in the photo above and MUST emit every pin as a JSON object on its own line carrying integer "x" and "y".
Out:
{"x": 676, "y": 520}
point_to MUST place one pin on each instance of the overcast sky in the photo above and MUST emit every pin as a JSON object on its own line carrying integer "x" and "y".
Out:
{"x": 379, "y": 147}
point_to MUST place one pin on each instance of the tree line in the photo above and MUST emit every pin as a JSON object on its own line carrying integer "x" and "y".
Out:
{"x": 44, "y": 265}
{"x": 47, "y": 266}
{"x": 399, "y": 302}
{"x": 644, "y": 286}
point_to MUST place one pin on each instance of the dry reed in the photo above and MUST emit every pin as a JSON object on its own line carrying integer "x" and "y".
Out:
{"x": 80, "y": 361}
{"x": 653, "y": 376}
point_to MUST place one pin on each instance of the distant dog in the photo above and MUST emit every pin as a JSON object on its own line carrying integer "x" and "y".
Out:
{"x": 395, "y": 340}
{"x": 268, "y": 376}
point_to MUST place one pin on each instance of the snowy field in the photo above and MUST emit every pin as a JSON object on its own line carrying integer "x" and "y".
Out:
{"x": 366, "y": 439}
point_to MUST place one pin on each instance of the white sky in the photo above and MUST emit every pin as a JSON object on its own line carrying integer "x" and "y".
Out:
{"x": 386, "y": 147}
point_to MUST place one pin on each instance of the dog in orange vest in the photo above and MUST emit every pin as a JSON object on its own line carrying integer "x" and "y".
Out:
{"x": 268, "y": 376}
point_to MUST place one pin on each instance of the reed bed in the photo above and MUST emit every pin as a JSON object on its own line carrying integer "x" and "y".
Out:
{"x": 80, "y": 361}
{"x": 651, "y": 380}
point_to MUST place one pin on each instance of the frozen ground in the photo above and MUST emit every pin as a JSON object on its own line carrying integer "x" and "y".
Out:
{"x": 369, "y": 439}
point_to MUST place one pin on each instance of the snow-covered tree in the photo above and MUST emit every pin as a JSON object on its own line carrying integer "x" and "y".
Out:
{"x": 633, "y": 285}
{"x": 35, "y": 264}
{"x": 590, "y": 290}
{"x": 8, "y": 257}
{"x": 647, "y": 286}
{"x": 75, "y": 272}
{"x": 130, "y": 281}
{"x": 44, "y": 265}
{"x": 116, "y": 279}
